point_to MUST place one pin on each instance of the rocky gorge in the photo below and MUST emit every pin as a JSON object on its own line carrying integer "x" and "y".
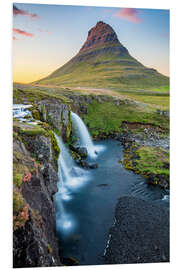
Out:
{"x": 35, "y": 160}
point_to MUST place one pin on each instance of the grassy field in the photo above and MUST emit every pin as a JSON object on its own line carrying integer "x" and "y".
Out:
{"x": 155, "y": 99}
{"x": 106, "y": 117}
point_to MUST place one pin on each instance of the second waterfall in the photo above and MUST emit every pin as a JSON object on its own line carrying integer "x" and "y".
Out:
{"x": 84, "y": 137}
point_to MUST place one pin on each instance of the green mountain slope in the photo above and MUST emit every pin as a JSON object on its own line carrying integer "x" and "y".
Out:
{"x": 103, "y": 62}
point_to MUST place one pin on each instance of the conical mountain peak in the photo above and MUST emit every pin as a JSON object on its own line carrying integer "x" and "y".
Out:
{"x": 100, "y": 35}
{"x": 103, "y": 62}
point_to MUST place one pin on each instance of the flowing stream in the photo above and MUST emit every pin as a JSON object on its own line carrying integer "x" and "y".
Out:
{"x": 86, "y": 199}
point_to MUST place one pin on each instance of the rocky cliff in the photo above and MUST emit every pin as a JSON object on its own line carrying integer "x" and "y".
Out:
{"x": 35, "y": 182}
{"x": 35, "y": 154}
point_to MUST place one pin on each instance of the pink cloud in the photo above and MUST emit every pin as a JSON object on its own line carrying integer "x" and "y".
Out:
{"x": 17, "y": 11}
{"x": 129, "y": 14}
{"x": 14, "y": 38}
{"x": 21, "y": 32}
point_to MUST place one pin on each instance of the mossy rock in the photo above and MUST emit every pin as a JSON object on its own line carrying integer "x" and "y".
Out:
{"x": 19, "y": 171}
{"x": 55, "y": 147}
{"x": 150, "y": 162}
{"x": 28, "y": 129}
{"x": 18, "y": 201}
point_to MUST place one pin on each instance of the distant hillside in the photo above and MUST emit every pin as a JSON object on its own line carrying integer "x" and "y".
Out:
{"x": 103, "y": 62}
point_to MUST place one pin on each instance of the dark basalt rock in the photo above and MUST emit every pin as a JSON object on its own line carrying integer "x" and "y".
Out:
{"x": 140, "y": 233}
{"x": 85, "y": 164}
{"x": 82, "y": 151}
{"x": 102, "y": 185}
{"x": 29, "y": 247}
{"x": 70, "y": 261}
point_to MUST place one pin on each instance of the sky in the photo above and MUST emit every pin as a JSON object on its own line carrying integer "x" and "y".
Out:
{"x": 45, "y": 37}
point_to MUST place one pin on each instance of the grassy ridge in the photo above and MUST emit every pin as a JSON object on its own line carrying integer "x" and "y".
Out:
{"x": 106, "y": 69}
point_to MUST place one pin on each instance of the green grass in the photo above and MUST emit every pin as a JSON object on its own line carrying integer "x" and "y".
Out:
{"x": 106, "y": 117}
{"x": 152, "y": 160}
{"x": 157, "y": 100}
{"x": 32, "y": 94}
{"x": 162, "y": 89}
{"x": 106, "y": 70}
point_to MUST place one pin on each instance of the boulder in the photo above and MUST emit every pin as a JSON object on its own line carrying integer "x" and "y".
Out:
{"x": 140, "y": 233}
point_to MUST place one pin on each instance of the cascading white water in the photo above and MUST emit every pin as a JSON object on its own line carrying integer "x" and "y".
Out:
{"x": 22, "y": 113}
{"x": 71, "y": 177}
{"x": 82, "y": 133}
{"x": 21, "y": 110}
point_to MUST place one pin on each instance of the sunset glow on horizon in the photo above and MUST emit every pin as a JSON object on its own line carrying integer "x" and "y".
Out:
{"x": 46, "y": 37}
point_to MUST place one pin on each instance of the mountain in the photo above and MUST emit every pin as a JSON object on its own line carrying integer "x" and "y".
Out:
{"x": 103, "y": 62}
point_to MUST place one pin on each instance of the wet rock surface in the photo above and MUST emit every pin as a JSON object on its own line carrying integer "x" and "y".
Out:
{"x": 140, "y": 233}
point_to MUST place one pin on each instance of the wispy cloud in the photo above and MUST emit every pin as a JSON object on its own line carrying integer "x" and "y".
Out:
{"x": 17, "y": 11}
{"x": 129, "y": 14}
{"x": 21, "y": 32}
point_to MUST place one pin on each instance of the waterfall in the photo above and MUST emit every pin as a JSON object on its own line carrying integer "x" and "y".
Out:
{"x": 71, "y": 177}
{"x": 64, "y": 221}
{"x": 82, "y": 133}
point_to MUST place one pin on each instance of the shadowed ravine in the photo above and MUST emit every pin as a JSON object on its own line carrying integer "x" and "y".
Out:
{"x": 86, "y": 200}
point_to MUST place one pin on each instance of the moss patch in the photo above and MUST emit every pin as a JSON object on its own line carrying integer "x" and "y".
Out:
{"x": 19, "y": 171}
{"x": 18, "y": 201}
{"x": 29, "y": 129}
{"x": 150, "y": 162}
{"x": 55, "y": 147}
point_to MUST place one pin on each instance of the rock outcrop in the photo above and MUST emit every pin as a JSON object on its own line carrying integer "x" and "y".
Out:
{"x": 34, "y": 184}
{"x": 57, "y": 115}
{"x": 140, "y": 233}
{"x": 100, "y": 35}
